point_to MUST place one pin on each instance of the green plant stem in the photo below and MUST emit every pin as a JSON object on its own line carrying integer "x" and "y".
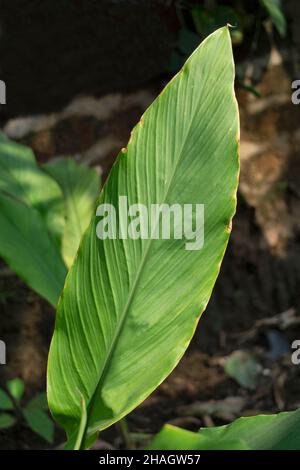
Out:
{"x": 124, "y": 430}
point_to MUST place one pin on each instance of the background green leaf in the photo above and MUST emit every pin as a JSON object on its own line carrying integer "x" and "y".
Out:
{"x": 274, "y": 9}
{"x": 28, "y": 249}
{"x": 130, "y": 307}
{"x": 16, "y": 388}
{"x": 39, "y": 402}
{"x": 40, "y": 423}
{"x": 263, "y": 432}
{"x": 244, "y": 368}
{"x": 43, "y": 215}
{"x": 5, "y": 401}
{"x": 6, "y": 421}
{"x": 31, "y": 220}
{"x": 173, "y": 438}
{"x": 22, "y": 179}
{"x": 80, "y": 186}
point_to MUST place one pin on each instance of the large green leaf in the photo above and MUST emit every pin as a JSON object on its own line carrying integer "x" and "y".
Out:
{"x": 263, "y": 432}
{"x": 129, "y": 307}
{"x": 31, "y": 221}
{"x": 80, "y": 187}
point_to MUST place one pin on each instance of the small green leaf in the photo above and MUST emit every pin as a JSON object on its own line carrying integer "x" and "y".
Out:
{"x": 262, "y": 432}
{"x": 274, "y": 9}
{"x": 40, "y": 423}
{"x": 5, "y": 401}
{"x": 6, "y": 421}
{"x": 28, "y": 249}
{"x": 131, "y": 306}
{"x": 80, "y": 186}
{"x": 39, "y": 402}
{"x": 16, "y": 388}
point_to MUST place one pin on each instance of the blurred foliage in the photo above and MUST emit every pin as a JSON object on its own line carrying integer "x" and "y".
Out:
{"x": 33, "y": 414}
{"x": 262, "y": 432}
{"x": 274, "y": 10}
{"x": 243, "y": 368}
{"x": 198, "y": 19}
{"x": 53, "y": 204}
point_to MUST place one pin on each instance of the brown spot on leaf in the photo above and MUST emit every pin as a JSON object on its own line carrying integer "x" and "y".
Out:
{"x": 229, "y": 227}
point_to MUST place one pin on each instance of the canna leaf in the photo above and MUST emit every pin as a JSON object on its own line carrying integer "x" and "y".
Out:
{"x": 16, "y": 388}
{"x": 80, "y": 187}
{"x": 39, "y": 422}
{"x": 262, "y": 432}
{"x": 130, "y": 307}
{"x": 22, "y": 179}
{"x": 42, "y": 215}
{"x": 171, "y": 437}
{"x": 31, "y": 221}
{"x": 28, "y": 249}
